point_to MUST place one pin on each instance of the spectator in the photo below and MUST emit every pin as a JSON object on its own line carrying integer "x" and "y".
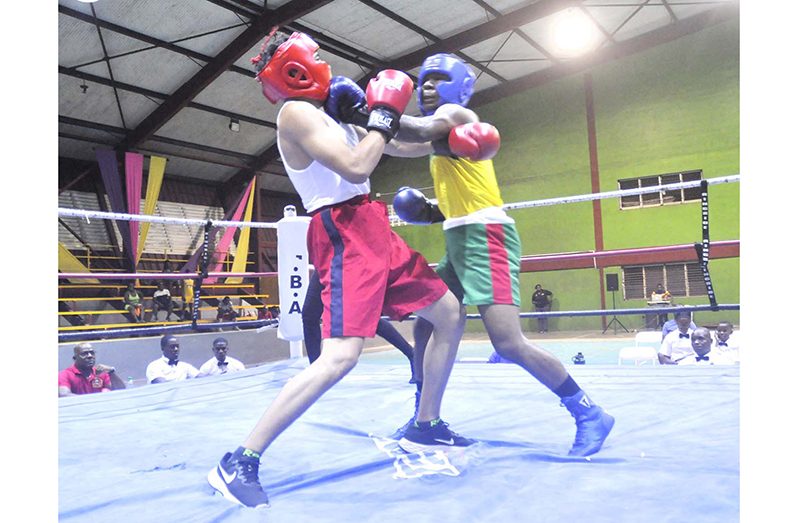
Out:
{"x": 133, "y": 304}
{"x": 179, "y": 305}
{"x": 221, "y": 363}
{"x": 703, "y": 350}
{"x": 726, "y": 341}
{"x": 168, "y": 367}
{"x": 225, "y": 311}
{"x": 86, "y": 377}
{"x": 541, "y": 299}
{"x": 188, "y": 298}
{"x": 670, "y": 326}
{"x": 661, "y": 295}
{"x": 161, "y": 300}
{"x": 676, "y": 345}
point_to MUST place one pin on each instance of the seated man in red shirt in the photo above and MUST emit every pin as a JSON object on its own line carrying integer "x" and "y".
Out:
{"x": 84, "y": 377}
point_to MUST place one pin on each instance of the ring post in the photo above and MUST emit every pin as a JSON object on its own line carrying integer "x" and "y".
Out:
{"x": 292, "y": 276}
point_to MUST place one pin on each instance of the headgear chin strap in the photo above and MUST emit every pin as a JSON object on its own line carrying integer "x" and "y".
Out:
{"x": 457, "y": 90}
{"x": 294, "y": 71}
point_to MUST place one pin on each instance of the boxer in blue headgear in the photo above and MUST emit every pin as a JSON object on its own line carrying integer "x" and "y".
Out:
{"x": 481, "y": 264}
{"x": 457, "y": 90}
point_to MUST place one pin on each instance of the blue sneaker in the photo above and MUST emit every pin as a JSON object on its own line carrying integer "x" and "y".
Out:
{"x": 593, "y": 425}
{"x": 437, "y": 437}
{"x": 237, "y": 480}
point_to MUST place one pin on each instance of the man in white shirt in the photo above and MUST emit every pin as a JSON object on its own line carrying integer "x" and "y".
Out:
{"x": 221, "y": 363}
{"x": 676, "y": 345}
{"x": 726, "y": 341}
{"x": 161, "y": 301}
{"x": 168, "y": 367}
{"x": 703, "y": 352}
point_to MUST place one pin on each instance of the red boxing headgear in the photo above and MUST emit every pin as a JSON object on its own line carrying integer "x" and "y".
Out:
{"x": 294, "y": 71}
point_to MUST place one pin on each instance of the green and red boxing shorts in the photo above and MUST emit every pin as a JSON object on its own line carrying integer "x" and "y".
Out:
{"x": 482, "y": 263}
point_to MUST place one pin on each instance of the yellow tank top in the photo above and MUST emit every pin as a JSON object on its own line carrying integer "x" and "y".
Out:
{"x": 463, "y": 186}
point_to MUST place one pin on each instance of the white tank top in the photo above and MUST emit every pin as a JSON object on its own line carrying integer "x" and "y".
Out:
{"x": 317, "y": 185}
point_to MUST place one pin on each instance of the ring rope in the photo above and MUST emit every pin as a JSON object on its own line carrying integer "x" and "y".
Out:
{"x": 168, "y": 329}
{"x": 82, "y": 213}
{"x": 620, "y": 193}
{"x": 157, "y": 275}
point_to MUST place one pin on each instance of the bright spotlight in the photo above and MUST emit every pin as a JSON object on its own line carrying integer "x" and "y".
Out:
{"x": 574, "y": 33}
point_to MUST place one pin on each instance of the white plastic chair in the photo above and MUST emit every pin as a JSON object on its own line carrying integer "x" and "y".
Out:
{"x": 648, "y": 338}
{"x": 639, "y": 355}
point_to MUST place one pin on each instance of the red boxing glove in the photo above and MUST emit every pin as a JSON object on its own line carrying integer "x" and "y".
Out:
{"x": 391, "y": 89}
{"x": 475, "y": 141}
{"x": 387, "y": 95}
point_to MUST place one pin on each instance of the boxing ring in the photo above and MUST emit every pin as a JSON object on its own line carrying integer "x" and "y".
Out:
{"x": 152, "y": 446}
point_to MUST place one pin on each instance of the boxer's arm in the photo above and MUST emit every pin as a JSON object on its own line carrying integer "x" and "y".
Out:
{"x": 407, "y": 149}
{"x": 435, "y": 126}
{"x": 308, "y": 137}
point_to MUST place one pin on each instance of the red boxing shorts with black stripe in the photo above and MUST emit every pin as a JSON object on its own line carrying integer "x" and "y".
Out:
{"x": 366, "y": 269}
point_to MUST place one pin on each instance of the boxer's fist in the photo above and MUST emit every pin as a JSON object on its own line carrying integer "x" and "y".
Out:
{"x": 413, "y": 207}
{"x": 475, "y": 141}
{"x": 346, "y": 102}
{"x": 387, "y": 95}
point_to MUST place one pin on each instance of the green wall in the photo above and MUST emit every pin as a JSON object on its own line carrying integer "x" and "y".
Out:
{"x": 671, "y": 108}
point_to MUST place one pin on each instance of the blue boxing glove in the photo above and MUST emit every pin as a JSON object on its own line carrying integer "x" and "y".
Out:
{"x": 413, "y": 207}
{"x": 346, "y": 102}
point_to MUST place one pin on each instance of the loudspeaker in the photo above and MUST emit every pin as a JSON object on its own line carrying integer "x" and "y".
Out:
{"x": 612, "y": 282}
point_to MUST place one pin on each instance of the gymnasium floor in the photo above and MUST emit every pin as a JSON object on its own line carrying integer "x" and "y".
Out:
{"x": 142, "y": 454}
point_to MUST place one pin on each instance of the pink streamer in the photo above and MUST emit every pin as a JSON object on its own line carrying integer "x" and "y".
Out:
{"x": 134, "y": 167}
{"x": 227, "y": 237}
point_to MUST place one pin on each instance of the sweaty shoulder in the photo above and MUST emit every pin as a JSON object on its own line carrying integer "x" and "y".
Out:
{"x": 296, "y": 122}
{"x": 455, "y": 114}
{"x": 296, "y": 114}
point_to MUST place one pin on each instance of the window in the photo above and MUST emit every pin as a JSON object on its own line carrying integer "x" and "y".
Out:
{"x": 660, "y": 197}
{"x": 680, "y": 279}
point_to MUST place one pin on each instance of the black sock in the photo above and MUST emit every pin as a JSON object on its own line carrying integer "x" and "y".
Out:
{"x": 567, "y": 388}
{"x": 426, "y": 425}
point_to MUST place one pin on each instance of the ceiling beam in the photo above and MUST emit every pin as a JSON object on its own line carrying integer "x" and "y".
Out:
{"x": 489, "y": 29}
{"x": 284, "y": 14}
{"x": 427, "y": 35}
{"x": 456, "y": 42}
{"x": 629, "y": 47}
{"x": 110, "y": 26}
{"x": 161, "y": 96}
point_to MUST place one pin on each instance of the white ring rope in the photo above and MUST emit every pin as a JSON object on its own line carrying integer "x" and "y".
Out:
{"x": 80, "y": 213}
{"x": 621, "y": 193}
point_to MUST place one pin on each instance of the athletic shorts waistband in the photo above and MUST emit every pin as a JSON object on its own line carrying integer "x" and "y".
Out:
{"x": 360, "y": 199}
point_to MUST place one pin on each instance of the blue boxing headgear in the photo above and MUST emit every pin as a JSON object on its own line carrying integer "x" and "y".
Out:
{"x": 457, "y": 90}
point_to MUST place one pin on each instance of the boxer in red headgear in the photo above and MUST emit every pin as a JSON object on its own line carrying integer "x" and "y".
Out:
{"x": 366, "y": 269}
{"x": 294, "y": 70}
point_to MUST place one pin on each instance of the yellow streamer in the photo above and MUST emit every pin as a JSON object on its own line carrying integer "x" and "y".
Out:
{"x": 154, "y": 180}
{"x": 242, "y": 249}
{"x": 67, "y": 262}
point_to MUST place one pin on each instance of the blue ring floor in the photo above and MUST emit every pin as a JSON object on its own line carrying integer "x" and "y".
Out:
{"x": 142, "y": 455}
